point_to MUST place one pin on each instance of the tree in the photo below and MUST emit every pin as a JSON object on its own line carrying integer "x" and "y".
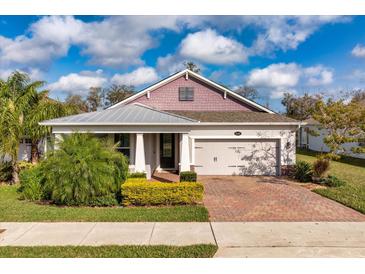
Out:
{"x": 43, "y": 108}
{"x": 358, "y": 96}
{"x": 299, "y": 108}
{"x": 76, "y": 101}
{"x": 94, "y": 98}
{"x": 344, "y": 123}
{"x": 17, "y": 94}
{"x": 247, "y": 92}
{"x": 192, "y": 66}
{"x": 117, "y": 93}
{"x": 83, "y": 171}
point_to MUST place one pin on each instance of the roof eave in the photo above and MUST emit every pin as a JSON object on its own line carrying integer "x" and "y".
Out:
{"x": 172, "y": 124}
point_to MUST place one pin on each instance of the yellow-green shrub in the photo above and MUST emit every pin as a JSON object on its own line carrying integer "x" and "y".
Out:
{"x": 138, "y": 191}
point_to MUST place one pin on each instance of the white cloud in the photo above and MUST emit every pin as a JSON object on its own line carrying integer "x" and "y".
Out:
{"x": 210, "y": 47}
{"x": 287, "y": 32}
{"x": 282, "y": 77}
{"x": 78, "y": 83}
{"x": 275, "y": 75}
{"x": 278, "y": 93}
{"x": 113, "y": 41}
{"x": 140, "y": 76}
{"x": 358, "y": 51}
{"x": 49, "y": 38}
{"x": 117, "y": 41}
{"x": 5, "y": 73}
{"x": 34, "y": 73}
{"x": 318, "y": 75}
{"x": 170, "y": 63}
{"x": 357, "y": 75}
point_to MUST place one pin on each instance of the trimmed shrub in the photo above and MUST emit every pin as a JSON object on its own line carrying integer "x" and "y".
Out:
{"x": 6, "y": 171}
{"x": 107, "y": 200}
{"x": 138, "y": 175}
{"x": 320, "y": 167}
{"x": 141, "y": 192}
{"x": 303, "y": 171}
{"x": 31, "y": 184}
{"x": 188, "y": 176}
{"x": 83, "y": 171}
{"x": 333, "y": 181}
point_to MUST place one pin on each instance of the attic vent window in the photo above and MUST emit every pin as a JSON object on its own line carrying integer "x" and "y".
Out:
{"x": 186, "y": 94}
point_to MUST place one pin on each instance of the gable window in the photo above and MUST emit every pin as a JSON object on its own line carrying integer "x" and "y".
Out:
{"x": 123, "y": 141}
{"x": 186, "y": 94}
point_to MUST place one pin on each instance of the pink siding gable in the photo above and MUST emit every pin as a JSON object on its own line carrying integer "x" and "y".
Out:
{"x": 206, "y": 98}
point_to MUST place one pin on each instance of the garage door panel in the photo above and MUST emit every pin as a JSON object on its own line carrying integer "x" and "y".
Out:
{"x": 236, "y": 157}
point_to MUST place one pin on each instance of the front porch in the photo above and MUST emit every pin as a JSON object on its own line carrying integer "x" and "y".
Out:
{"x": 155, "y": 152}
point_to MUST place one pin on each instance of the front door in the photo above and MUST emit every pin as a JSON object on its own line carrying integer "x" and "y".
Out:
{"x": 167, "y": 150}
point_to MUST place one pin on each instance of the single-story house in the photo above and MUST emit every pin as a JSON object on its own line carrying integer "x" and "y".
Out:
{"x": 188, "y": 122}
{"x": 316, "y": 143}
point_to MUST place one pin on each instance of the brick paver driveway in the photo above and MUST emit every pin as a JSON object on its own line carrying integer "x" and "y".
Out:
{"x": 235, "y": 198}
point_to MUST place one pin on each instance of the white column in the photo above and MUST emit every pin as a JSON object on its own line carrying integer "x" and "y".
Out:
{"x": 57, "y": 140}
{"x": 45, "y": 145}
{"x": 140, "y": 161}
{"x": 184, "y": 153}
{"x": 192, "y": 160}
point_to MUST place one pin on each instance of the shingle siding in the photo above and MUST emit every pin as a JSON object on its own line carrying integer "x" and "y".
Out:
{"x": 206, "y": 98}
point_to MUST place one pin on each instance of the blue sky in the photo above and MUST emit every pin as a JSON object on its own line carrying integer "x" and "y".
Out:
{"x": 275, "y": 54}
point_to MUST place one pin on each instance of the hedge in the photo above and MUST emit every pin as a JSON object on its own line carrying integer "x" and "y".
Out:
{"x": 137, "y": 175}
{"x": 188, "y": 176}
{"x": 139, "y": 191}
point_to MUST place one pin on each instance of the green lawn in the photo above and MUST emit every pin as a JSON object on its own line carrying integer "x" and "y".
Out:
{"x": 192, "y": 251}
{"x": 14, "y": 210}
{"x": 351, "y": 170}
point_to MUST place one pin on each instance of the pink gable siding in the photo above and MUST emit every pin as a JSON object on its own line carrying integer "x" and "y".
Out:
{"x": 206, "y": 98}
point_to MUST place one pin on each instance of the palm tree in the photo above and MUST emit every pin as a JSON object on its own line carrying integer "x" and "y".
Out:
{"x": 22, "y": 107}
{"x": 16, "y": 96}
{"x": 43, "y": 108}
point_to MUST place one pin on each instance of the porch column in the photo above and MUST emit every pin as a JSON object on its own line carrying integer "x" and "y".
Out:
{"x": 140, "y": 161}
{"x": 184, "y": 153}
{"x": 57, "y": 140}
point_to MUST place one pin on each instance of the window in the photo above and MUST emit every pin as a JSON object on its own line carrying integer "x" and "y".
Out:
{"x": 186, "y": 94}
{"x": 123, "y": 141}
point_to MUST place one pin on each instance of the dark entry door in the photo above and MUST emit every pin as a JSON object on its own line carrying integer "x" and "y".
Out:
{"x": 167, "y": 150}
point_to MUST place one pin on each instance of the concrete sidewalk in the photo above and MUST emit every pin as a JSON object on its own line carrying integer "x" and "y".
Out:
{"x": 94, "y": 234}
{"x": 234, "y": 239}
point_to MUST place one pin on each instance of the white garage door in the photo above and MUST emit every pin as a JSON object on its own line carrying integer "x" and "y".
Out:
{"x": 236, "y": 157}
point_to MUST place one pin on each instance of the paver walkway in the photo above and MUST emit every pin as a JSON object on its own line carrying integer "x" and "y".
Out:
{"x": 234, "y": 239}
{"x": 238, "y": 198}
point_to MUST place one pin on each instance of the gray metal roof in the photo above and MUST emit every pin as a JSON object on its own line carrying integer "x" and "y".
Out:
{"x": 125, "y": 114}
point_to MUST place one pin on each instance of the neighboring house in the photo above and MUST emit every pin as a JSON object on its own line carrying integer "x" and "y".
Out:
{"x": 24, "y": 153}
{"x": 316, "y": 143}
{"x": 187, "y": 122}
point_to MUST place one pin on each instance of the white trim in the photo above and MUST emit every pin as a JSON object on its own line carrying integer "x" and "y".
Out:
{"x": 235, "y": 137}
{"x": 198, "y": 76}
{"x": 192, "y": 160}
{"x": 184, "y": 163}
{"x": 171, "y": 124}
